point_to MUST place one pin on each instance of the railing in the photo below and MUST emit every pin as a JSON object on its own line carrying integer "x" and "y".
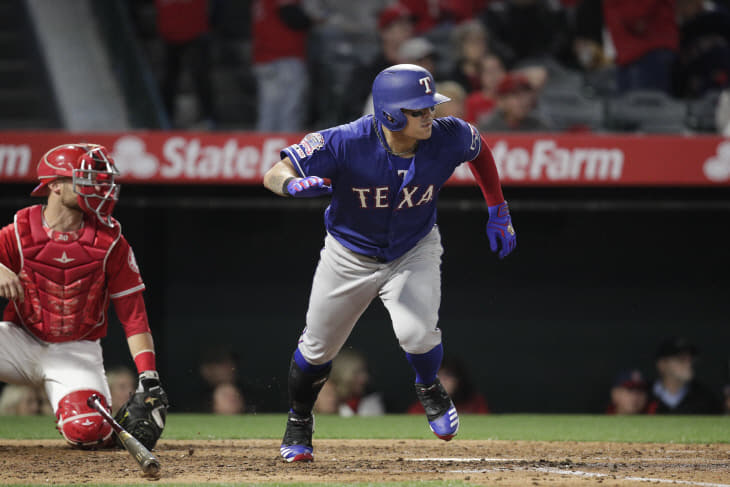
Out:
{"x": 130, "y": 66}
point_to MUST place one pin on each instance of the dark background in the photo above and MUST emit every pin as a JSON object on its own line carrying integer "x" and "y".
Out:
{"x": 599, "y": 277}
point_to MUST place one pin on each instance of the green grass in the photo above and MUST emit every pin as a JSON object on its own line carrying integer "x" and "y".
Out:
{"x": 655, "y": 429}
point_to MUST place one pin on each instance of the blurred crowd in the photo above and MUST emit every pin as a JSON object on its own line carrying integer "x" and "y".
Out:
{"x": 509, "y": 65}
{"x": 350, "y": 391}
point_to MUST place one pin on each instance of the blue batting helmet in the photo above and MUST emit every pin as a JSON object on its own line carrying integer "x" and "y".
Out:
{"x": 403, "y": 86}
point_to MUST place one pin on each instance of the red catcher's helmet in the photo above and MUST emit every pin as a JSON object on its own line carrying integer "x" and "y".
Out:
{"x": 92, "y": 172}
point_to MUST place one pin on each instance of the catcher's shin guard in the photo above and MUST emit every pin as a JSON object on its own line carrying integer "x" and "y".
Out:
{"x": 440, "y": 411}
{"x": 79, "y": 424}
{"x": 305, "y": 382}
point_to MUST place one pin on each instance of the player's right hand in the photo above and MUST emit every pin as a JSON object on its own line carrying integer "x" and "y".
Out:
{"x": 309, "y": 187}
{"x": 10, "y": 286}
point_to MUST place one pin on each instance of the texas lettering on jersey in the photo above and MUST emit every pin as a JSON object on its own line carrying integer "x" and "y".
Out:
{"x": 372, "y": 189}
{"x": 379, "y": 197}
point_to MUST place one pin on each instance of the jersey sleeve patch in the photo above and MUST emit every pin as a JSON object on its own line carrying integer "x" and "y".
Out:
{"x": 312, "y": 142}
{"x": 303, "y": 150}
{"x": 476, "y": 143}
{"x": 132, "y": 261}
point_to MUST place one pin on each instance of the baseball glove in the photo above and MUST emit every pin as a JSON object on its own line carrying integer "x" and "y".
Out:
{"x": 144, "y": 414}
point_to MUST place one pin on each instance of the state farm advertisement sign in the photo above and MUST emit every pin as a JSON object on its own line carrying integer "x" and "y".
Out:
{"x": 244, "y": 157}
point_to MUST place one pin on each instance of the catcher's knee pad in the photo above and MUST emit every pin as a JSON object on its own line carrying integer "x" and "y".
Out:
{"x": 79, "y": 423}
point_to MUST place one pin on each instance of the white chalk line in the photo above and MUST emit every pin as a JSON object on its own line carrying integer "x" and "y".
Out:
{"x": 558, "y": 471}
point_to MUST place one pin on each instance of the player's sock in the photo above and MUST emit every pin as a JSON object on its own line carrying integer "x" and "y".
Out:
{"x": 426, "y": 364}
{"x": 305, "y": 382}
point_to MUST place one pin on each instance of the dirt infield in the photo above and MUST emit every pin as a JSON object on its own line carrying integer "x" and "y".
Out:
{"x": 500, "y": 463}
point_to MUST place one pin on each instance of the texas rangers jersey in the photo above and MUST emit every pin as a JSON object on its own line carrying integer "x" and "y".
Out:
{"x": 382, "y": 205}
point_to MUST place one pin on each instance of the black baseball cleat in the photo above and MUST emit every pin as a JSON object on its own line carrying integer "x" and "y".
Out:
{"x": 297, "y": 443}
{"x": 440, "y": 410}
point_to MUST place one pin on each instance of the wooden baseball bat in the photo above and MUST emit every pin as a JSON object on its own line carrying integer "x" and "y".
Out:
{"x": 149, "y": 463}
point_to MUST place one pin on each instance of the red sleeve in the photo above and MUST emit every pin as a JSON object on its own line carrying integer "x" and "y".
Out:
{"x": 132, "y": 312}
{"x": 9, "y": 253}
{"x": 125, "y": 288}
{"x": 485, "y": 171}
{"x": 122, "y": 272}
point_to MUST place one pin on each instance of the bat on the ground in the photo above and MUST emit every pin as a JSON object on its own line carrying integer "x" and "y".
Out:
{"x": 149, "y": 463}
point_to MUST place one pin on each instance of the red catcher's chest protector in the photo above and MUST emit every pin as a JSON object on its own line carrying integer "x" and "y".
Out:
{"x": 64, "y": 281}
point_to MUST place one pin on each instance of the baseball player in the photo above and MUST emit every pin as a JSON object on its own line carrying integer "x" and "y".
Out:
{"x": 384, "y": 173}
{"x": 60, "y": 265}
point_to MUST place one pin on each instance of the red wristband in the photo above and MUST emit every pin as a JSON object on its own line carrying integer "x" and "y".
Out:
{"x": 145, "y": 360}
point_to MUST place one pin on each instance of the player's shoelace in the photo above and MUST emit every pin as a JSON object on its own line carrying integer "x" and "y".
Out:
{"x": 440, "y": 411}
{"x": 297, "y": 443}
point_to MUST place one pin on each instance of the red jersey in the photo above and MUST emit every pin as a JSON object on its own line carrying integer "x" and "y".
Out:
{"x": 430, "y": 12}
{"x": 62, "y": 297}
{"x": 478, "y": 107}
{"x": 272, "y": 39}
{"x": 182, "y": 20}
{"x": 640, "y": 26}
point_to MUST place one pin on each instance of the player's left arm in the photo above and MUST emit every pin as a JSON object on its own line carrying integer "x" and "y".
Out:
{"x": 125, "y": 289}
{"x": 500, "y": 231}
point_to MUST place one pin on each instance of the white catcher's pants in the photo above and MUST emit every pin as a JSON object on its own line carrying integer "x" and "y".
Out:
{"x": 345, "y": 283}
{"x": 61, "y": 368}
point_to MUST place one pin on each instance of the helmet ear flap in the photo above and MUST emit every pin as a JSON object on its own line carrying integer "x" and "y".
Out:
{"x": 393, "y": 123}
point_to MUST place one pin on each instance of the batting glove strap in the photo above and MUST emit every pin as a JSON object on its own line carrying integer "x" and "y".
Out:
{"x": 500, "y": 232}
{"x": 309, "y": 187}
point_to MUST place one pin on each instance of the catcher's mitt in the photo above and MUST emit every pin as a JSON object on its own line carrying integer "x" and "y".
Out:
{"x": 144, "y": 414}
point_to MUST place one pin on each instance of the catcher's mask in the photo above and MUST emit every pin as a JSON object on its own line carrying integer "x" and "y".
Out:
{"x": 92, "y": 172}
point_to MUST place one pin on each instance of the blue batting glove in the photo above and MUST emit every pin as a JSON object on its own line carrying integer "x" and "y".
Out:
{"x": 309, "y": 187}
{"x": 499, "y": 229}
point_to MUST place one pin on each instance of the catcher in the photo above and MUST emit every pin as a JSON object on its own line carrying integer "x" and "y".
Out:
{"x": 60, "y": 265}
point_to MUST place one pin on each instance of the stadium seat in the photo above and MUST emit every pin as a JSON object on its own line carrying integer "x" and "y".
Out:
{"x": 569, "y": 110}
{"x": 701, "y": 112}
{"x": 601, "y": 82}
{"x": 646, "y": 111}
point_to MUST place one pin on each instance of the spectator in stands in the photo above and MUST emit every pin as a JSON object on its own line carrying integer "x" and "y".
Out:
{"x": 395, "y": 26}
{"x": 227, "y": 398}
{"x": 416, "y": 50}
{"x": 184, "y": 27}
{"x": 349, "y": 391}
{"x": 515, "y": 107}
{"x": 21, "y": 400}
{"x": 456, "y": 379}
{"x": 588, "y": 47}
{"x": 480, "y": 103}
{"x": 454, "y": 107}
{"x": 470, "y": 47}
{"x": 646, "y": 39}
{"x": 704, "y": 47}
{"x": 629, "y": 394}
{"x": 676, "y": 391}
{"x": 431, "y": 14}
{"x": 279, "y": 47}
{"x": 419, "y": 51}
{"x": 527, "y": 31}
{"x": 218, "y": 366}
{"x": 122, "y": 383}
{"x": 343, "y": 35}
